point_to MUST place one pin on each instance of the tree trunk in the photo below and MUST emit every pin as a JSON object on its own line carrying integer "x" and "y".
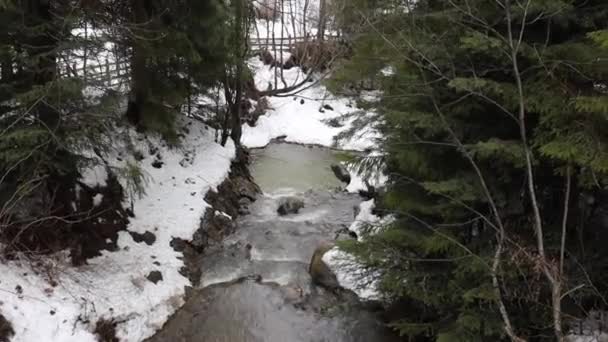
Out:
{"x": 7, "y": 69}
{"x": 322, "y": 20}
{"x": 43, "y": 46}
{"x": 139, "y": 71}
{"x": 240, "y": 31}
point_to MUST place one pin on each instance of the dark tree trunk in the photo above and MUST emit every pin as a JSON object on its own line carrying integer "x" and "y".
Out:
{"x": 6, "y": 78}
{"x": 226, "y": 119}
{"x": 240, "y": 35}
{"x": 7, "y": 70}
{"x": 322, "y": 20}
{"x": 139, "y": 70}
{"x": 42, "y": 48}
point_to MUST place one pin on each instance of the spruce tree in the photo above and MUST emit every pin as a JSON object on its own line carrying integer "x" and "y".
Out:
{"x": 175, "y": 45}
{"x": 495, "y": 124}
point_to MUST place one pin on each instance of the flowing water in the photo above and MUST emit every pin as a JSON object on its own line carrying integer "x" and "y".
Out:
{"x": 256, "y": 286}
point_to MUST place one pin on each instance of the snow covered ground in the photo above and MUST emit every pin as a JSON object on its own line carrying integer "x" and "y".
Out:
{"x": 591, "y": 337}
{"x": 300, "y": 19}
{"x": 115, "y": 285}
{"x": 303, "y": 117}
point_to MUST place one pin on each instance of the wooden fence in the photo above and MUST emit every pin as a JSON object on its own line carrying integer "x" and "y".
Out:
{"x": 111, "y": 73}
{"x": 108, "y": 73}
{"x": 282, "y": 43}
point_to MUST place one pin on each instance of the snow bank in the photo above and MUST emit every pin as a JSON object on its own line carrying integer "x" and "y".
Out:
{"x": 114, "y": 285}
{"x": 350, "y": 273}
{"x": 304, "y": 117}
{"x": 597, "y": 337}
{"x": 301, "y": 117}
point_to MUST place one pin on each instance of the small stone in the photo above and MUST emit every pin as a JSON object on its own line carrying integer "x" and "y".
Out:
{"x": 290, "y": 205}
{"x": 155, "y": 277}
{"x": 148, "y": 237}
{"x": 138, "y": 155}
{"x": 52, "y": 312}
{"x": 335, "y": 122}
{"x": 302, "y": 101}
{"x": 157, "y": 164}
{"x": 328, "y": 107}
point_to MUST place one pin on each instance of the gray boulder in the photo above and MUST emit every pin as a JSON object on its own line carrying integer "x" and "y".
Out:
{"x": 341, "y": 173}
{"x": 319, "y": 271}
{"x": 290, "y": 205}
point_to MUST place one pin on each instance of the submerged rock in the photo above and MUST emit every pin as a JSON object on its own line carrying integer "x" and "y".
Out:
{"x": 290, "y": 205}
{"x": 341, "y": 173}
{"x": 319, "y": 271}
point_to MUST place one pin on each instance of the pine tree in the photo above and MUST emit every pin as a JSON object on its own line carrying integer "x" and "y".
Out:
{"x": 52, "y": 116}
{"x": 175, "y": 45}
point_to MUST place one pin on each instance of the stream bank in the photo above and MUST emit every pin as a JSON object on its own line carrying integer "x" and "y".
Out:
{"x": 231, "y": 199}
{"x": 255, "y": 284}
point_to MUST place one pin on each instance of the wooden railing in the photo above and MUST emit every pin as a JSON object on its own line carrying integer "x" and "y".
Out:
{"x": 113, "y": 73}
{"x": 281, "y": 43}
{"x": 109, "y": 74}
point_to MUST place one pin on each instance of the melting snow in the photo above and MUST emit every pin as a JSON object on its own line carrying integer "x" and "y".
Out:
{"x": 114, "y": 285}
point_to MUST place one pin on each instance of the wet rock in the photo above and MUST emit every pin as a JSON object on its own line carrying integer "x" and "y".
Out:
{"x": 148, "y": 237}
{"x": 341, "y": 173}
{"x": 157, "y": 164}
{"x": 6, "y": 330}
{"x": 345, "y": 234}
{"x": 244, "y": 203}
{"x": 320, "y": 273}
{"x": 293, "y": 294}
{"x": 369, "y": 193}
{"x": 290, "y": 63}
{"x": 266, "y": 57}
{"x": 138, "y": 155}
{"x": 290, "y": 205}
{"x": 178, "y": 245}
{"x": 335, "y": 122}
{"x": 155, "y": 277}
{"x": 106, "y": 330}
